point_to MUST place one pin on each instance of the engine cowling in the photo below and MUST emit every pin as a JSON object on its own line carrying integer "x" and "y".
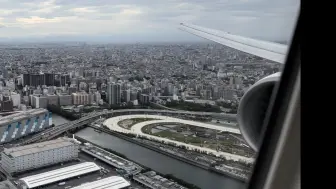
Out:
{"x": 252, "y": 109}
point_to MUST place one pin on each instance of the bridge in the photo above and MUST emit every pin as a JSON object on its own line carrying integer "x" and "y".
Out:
{"x": 58, "y": 130}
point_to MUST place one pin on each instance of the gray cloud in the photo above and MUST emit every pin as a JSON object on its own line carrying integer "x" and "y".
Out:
{"x": 143, "y": 19}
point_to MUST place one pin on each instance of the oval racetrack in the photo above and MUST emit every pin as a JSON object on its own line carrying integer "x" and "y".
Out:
{"x": 112, "y": 123}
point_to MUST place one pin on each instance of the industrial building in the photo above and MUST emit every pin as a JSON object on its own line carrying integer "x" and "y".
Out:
{"x": 20, "y": 124}
{"x": 57, "y": 175}
{"x": 65, "y": 100}
{"x": 114, "y": 182}
{"x": 22, "y": 158}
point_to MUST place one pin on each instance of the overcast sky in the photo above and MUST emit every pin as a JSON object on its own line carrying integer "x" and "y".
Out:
{"x": 143, "y": 20}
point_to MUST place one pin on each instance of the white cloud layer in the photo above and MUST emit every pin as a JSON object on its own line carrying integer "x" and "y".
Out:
{"x": 143, "y": 20}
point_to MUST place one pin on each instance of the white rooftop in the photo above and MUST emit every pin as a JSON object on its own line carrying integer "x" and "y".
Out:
{"x": 114, "y": 182}
{"x": 38, "y": 147}
{"x": 59, "y": 174}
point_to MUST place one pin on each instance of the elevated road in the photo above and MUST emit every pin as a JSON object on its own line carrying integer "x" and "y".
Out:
{"x": 60, "y": 129}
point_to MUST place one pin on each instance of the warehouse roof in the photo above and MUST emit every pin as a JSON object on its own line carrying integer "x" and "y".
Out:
{"x": 37, "y": 147}
{"x": 22, "y": 115}
{"x": 59, "y": 174}
{"x": 114, "y": 182}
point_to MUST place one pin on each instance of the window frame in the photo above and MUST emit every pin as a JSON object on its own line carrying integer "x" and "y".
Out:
{"x": 279, "y": 157}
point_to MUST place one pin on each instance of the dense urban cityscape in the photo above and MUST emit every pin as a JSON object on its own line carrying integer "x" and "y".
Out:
{"x": 177, "y": 100}
{"x": 120, "y": 75}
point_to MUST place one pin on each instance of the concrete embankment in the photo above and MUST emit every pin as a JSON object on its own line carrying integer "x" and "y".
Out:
{"x": 195, "y": 163}
{"x": 227, "y": 174}
{"x": 186, "y": 160}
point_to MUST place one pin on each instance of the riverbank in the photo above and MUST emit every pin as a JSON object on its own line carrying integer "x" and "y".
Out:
{"x": 160, "y": 162}
{"x": 146, "y": 169}
{"x": 149, "y": 147}
{"x": 156, "y": 161}
{"x": 181, "y": 158}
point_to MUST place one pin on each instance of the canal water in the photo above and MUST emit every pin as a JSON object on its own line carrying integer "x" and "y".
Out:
{"x": 157, "y": 161}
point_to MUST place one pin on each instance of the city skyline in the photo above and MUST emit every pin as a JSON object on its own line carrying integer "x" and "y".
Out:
{"x": 200, "y": 104}
{"x": 142, "y": 21}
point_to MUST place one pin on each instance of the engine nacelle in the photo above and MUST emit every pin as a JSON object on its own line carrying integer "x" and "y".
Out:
{"x": 253, "y": 107}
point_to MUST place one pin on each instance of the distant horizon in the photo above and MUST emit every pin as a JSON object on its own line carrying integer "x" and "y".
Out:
{"x": 117, "y": 42}
{"x": 189, "y": 38}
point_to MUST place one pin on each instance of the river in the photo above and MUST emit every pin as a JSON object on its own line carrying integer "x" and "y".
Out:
{"x": 157, "y": 161}
{"x": 58, "y": 120}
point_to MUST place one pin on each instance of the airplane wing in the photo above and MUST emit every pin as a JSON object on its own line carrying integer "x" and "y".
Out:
{"x": 268, "y": 50}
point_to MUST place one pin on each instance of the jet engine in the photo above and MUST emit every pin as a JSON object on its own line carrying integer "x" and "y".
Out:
{"x": 252, "y": 109}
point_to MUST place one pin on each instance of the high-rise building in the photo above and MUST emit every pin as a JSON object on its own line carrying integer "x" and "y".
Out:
{"x": 91, "y": 98}
{"x": 49, "y": 79}
{"x": 113, "y": 94}
{"x": 65, "y": 79}
{"x": 25, "y": 79}
{"x": 127, "y": 95}
{"x": 97, "y": 97}
{"x": 81, "y": 98}
{"x": 144, "y": 99}
{"x": 36, "y": 80}
{"x": 81, "y": 71}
